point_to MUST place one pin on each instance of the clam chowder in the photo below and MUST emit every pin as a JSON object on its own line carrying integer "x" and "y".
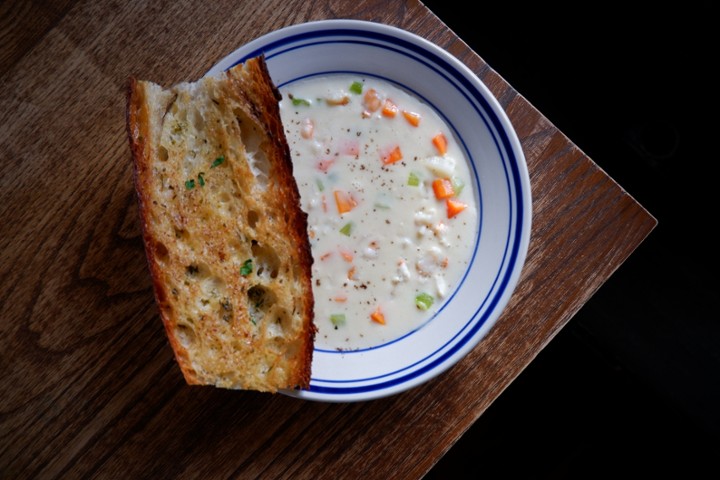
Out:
{"x": 392, "y": 215}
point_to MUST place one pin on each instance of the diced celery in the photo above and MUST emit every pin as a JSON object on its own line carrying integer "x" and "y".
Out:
{"x": 337, "y": 319}
{"x": 413, "y": 179}
{"x": 458, "y": 185}
{"x": 423, "y": 301}
{"x": 347, "y": 229}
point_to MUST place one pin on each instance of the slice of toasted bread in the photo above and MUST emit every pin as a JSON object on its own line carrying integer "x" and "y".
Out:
{"x": 225, "y": 238}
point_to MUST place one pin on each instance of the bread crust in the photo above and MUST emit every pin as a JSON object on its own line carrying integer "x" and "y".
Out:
{"x": 215, "y": 188}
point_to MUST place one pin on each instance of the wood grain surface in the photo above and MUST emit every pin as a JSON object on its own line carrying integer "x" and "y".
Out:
{"x": 90, "y": 388}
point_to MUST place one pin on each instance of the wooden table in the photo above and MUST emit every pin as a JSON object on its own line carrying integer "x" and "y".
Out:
{"x": 90, "y": 387}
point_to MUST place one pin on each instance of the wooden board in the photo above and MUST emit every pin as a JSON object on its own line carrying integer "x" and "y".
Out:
{"x": 90, "y": 387}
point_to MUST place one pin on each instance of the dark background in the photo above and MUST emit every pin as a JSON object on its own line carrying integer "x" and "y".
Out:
{"x": 631, "y": 386}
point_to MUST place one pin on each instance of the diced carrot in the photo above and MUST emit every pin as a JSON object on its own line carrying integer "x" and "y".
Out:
{"x": 351, "y": 273}
{"x": 389, "y": 108}
{"x": 412, "y": 117}
{"x": 378, "y": 317}
{"x": 441, "y": 143}
{"x": 371, "y": 100}
{"x": 324, "y": 204}
{"x": 443, "y": 188}
{"x": 346, "y": 255}
{"x": 454, "y": 207}
{"x": 393, "y": 156}
{"x": 344, "y": 201}
{"x": 340, "y": 298}
{"x": 325, "y": 256}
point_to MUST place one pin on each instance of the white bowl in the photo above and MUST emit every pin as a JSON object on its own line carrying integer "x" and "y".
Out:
{"x": 502, "y": 189}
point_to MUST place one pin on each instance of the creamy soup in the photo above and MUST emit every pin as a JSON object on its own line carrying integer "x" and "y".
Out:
{"x": 390, "y": 202}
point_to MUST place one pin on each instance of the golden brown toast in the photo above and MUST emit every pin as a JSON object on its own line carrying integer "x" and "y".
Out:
{"x": 225, "y": 238}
